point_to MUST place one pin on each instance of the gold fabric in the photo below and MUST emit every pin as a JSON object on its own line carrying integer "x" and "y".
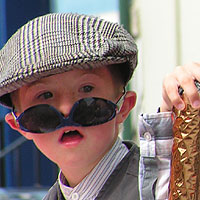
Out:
{"x": 185, "y": 166}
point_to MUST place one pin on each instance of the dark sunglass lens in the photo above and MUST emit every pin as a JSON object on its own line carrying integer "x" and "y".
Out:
{"x": 40, "y": 119}
{"x": 93, "y": 111}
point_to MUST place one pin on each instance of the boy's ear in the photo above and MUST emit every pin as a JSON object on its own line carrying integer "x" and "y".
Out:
{"x": 11, "y": 121}
{"x": 14, "y": 125}
{"x": 128, "y": 104}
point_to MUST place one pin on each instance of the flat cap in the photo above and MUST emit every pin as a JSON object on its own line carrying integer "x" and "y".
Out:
{"x": 55, "y": 43}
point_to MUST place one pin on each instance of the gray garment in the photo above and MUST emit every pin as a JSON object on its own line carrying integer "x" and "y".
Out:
{"x": 121, "y": 185}
{"x": 155, "y": 155}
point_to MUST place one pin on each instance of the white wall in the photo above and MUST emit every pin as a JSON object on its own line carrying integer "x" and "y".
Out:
{"x": 190, "y": 30}
{"x": 157, "y": 50}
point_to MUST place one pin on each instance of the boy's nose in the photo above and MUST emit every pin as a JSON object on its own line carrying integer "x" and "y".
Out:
{"x": 65, "y": 107}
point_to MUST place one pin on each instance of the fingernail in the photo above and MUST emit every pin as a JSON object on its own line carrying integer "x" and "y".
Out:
{"x": 196, "y": 104}
{"x": 180, "y": 106}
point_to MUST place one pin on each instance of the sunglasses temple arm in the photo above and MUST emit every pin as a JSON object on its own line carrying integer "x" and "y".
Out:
{"x": 14, "y": 117}
{"x": 119, "y": 103}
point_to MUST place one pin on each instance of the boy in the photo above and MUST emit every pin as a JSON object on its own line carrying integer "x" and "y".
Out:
{"x": 64, "y": 75}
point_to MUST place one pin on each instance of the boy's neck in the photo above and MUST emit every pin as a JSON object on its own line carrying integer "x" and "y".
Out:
{"x": 77, "y": 172}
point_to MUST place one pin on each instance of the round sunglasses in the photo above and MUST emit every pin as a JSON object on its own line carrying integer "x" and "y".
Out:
{"x": 44, "y": 118}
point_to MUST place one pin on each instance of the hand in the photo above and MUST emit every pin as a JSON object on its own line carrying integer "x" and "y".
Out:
{"x": 182, "y": 76}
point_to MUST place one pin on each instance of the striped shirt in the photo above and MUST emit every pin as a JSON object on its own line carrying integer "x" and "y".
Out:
{"x": 91, "y": 185}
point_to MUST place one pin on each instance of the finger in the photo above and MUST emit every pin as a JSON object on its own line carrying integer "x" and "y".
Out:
{"x": 166, "y": 105}
{"x": 170, "y": 94}
{"x": 185, "y": 77}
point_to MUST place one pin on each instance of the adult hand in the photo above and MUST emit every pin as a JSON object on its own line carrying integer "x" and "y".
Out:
{"x": 182, "y": 76}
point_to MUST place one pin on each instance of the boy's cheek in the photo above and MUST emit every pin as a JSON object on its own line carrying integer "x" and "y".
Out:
{"x": 28, "y": 136}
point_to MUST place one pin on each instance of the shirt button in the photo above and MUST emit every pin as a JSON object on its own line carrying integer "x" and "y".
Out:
{"x": 147, "y": 136}
{"x": 75, "y": 196}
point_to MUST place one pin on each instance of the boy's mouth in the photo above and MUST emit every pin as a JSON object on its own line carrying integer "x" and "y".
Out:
{"x": 71, "y": 137}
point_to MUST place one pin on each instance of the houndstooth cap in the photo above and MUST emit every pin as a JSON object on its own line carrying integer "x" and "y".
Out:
{"x": 56, "y": 43}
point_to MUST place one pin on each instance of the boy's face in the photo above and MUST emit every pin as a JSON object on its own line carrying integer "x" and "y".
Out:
{"x": 74, "y": 146}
